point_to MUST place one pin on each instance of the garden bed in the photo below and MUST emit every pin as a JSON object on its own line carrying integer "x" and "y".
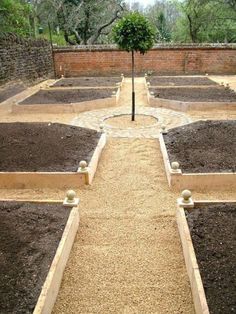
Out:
{"x": 41, "y": 153}
{"x": 192, "y": 98}
{"x": 68, "y": 100}
{"x": 207, "y": 231}
{"x": 87, "y": 82}
{"x": 205, "y": 151}
{"x": 180, "y": 81}
{"x": 49, "y": 97}
{"x": 10, "y": 90}
{"x": 219, "y": 94}
{"x": 36, "y": 238}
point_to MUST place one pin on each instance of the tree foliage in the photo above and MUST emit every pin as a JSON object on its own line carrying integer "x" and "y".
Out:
{"x": 206, "y": 21}
{"x": 14, "y": 16}
{"x": 90, "y": 22}
{"x": 163, "y": 15}
{"x": 83, "y": 21}
{"x": 134, "y": 32}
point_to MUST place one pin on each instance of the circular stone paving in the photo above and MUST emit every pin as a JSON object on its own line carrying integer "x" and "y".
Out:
{"x": 115, "y": 121}
{"x": 123, "y": 121}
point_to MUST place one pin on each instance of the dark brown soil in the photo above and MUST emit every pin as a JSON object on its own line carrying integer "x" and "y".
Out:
{"x": 88, "y": 81}
{"x": 44, "y": 97}
{"x": 213, "y": 231}
{"x": 45, "y": 147}
{"x": 203, "y": 146}
{"x": 11, "y": 90}
{"x": 29, "y": 236}
{"x": 179, "y": 81}
{"x": 216, "y": 94}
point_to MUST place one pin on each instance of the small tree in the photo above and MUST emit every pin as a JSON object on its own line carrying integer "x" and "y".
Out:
{"x": 134, "y": 33}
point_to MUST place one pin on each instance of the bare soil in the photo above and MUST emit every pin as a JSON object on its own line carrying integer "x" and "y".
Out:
{"x": 88, "y": 81}
{"x": 213, "y": 232}
{"x": 217, "y": 94}
{"x": 29, "y": 234}
{"x": 45, "y": 146}
{"x": 179, "y": 81}
{"x": 8, "y": 91}
{"x": 203, "y": 146}
{"x": 65, "y": 97}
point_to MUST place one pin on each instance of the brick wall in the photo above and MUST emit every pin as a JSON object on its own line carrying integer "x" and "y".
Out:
{"x": 23, "y": 59}
{"x": 163, "y": 59}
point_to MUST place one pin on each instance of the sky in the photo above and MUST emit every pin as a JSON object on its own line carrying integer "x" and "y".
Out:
{"x": 143, "y": 2}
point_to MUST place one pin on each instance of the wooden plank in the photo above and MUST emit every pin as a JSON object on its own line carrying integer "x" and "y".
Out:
{"x": 198, "y": 293}
{"x": 52, "y": 283}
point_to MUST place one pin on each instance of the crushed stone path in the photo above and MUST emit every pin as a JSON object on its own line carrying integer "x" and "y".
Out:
{"x": 127, "y": 256}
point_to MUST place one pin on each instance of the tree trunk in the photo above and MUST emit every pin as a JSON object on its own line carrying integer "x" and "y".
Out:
{"x": 133, "y": 93}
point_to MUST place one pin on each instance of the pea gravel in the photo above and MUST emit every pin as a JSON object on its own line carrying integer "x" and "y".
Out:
{"x": 127, "y": 256}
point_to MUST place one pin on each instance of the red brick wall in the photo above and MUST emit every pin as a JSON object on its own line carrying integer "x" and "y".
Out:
{"x": 107, "y": 60}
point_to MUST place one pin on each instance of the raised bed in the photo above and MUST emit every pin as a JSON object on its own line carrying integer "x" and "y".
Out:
{"x": 205, "y": 152}
{"x": 48, "y": 155}
{"x": 9, "y": 91}
{"x": 67, "y": 101}
{"x": 88, "y": 82}
{"x": 207, "y": 232}
{"x": 180, "y": 81}
{"x": 36, "y": 239}
{"x": 197, "y": 98}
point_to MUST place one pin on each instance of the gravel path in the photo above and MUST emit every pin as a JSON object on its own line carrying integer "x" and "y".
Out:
{"x": 127, "y": 256}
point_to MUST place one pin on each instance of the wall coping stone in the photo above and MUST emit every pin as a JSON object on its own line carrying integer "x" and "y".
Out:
{"x": 167, "y": 46}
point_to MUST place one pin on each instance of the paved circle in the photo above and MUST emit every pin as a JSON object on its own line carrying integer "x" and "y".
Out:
{"x": 94, "y": 119}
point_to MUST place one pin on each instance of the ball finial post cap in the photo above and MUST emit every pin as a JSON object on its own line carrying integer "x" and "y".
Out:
{"x": 71, "y": 200}
{"x": 185, "y": 200}
{"x": 70, "y": 194}
{"x": 101, "y": 127}
{"x": 186, "y": 195}
{"x": 175, "y": 165}
{"x": 83, "y": 164}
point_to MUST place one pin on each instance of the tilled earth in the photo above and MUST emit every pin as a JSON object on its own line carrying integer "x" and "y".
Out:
{"x": 216, "y": 94}
{"x": 45, "y": 146}
{"x": 204, "y": 146}
{"x": 179, "y": 81}
{"x": 47, "y": 97}
{"x": 88, "y": 81}
{"x": 29, "y": 235}
{"x": 213, "y": 231}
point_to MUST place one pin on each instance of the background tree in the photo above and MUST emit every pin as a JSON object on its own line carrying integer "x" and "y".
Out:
{"x": 134, "y": 33}
{"x": 14, "y": 17}
{"x": 206, "y": 21}
{"x": 163, "y": 15}
{"x": 83, "y": 21}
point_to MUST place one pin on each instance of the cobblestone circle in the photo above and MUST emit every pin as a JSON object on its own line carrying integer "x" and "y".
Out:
{"x": 169, "y": 118}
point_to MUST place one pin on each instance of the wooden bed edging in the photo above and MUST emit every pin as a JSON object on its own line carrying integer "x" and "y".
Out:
{"x": 180, "y": 180}
{"x": 52, "y": 86}
{"x": 52, "y": 283}
{"x": 188, "y": 105}
{"x": 198, "y": 293}
{"x": 68, "y": 108}
{"x": 51, "y": 286}
{"x": 96, "y": 156}
{"x": 60, "y": 180}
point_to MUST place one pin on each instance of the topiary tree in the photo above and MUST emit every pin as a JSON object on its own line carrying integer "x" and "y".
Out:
{"x": 136, "y": 34}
